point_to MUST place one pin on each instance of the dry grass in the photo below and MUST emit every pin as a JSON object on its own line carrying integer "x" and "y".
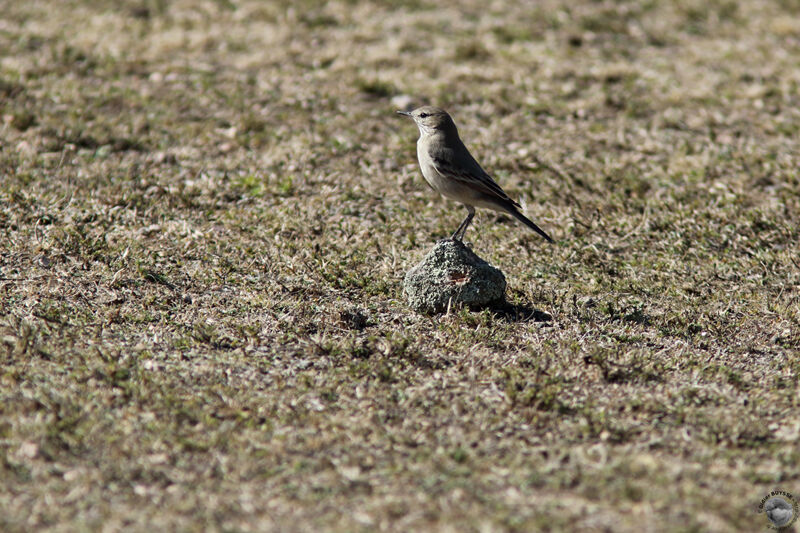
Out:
{"x": 207, "y": 208}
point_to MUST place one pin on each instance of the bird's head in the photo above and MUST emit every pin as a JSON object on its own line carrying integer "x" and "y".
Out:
{"x": 430, "y": 119}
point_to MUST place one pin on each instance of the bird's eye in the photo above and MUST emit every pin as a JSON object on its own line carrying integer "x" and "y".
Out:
{"x": 424, "y": 115}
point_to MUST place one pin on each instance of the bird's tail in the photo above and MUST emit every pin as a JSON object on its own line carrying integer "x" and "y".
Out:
{"x": 522, "y": 218}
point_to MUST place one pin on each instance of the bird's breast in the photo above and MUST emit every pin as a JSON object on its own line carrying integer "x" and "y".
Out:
{"x": 429, "y": 171}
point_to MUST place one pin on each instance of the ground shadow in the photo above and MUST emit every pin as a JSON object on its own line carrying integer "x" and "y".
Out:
{"x": 519, "y": 313}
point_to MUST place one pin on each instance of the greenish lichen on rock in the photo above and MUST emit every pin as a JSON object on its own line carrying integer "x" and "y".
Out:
{"x": 452, "y": 274}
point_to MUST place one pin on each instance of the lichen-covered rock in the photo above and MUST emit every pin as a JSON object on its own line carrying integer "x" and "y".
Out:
{"x": 452, "y": 273}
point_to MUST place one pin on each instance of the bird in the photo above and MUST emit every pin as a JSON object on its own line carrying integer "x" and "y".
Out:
{"x": 450, "y": 170}
{"x": 779, "y": 511}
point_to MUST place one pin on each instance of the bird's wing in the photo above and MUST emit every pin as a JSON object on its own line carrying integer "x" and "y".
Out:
{"x": 472, "y": 175}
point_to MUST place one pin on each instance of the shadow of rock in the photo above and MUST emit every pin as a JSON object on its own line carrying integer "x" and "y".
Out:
{"x": 519, "y": 313}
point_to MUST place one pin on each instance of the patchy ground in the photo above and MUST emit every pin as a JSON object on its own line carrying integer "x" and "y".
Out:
{"x": 206, "y": 210}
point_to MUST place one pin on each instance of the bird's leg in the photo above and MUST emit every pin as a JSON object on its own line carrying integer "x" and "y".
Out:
{"x": 458, "y": 235}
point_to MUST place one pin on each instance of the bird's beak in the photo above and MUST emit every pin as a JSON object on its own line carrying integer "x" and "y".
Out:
{"x": 406, "y": 113}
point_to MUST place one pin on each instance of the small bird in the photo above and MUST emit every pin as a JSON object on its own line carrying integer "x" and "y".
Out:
{"x": 451, "y": 170}
{"x": 779, "y": 511}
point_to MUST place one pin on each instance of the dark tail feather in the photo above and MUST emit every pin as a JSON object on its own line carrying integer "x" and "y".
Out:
{"x": 522, "y": 218}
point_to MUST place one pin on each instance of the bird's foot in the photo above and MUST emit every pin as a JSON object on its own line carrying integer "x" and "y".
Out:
{"x": 455, "y": 240}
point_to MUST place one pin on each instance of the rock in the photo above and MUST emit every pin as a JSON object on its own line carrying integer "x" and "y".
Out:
{"x": 452, "y": 273}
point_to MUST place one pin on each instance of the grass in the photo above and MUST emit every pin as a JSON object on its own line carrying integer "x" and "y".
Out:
{"x": 206, "y": 211}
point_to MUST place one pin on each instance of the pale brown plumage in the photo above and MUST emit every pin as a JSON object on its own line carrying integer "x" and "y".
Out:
{"x": 451, "y": 170}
